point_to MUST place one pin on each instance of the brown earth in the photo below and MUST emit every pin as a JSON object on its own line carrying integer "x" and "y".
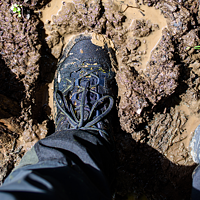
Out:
{"x": 157, "y": 74}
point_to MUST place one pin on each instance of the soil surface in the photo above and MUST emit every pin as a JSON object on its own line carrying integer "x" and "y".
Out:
{"x": 157, "y": 75}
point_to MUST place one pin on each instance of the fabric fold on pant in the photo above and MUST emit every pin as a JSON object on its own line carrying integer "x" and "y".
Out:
{"x": 72, "y": 164}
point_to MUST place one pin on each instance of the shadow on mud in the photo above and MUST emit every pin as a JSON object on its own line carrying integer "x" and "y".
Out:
{"x": 36, "y": 4}
{"x": 48, "y": 65}
{"x": 11, "y": 92}
{"x": 143, "y": 170}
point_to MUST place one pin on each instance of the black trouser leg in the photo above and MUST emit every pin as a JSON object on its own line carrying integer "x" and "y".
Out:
{"x": 71, "y": 164}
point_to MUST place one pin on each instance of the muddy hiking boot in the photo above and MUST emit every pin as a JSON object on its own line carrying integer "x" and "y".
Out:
{"x": 195, "y": 152}
{"x": 83, "y": 87}
{"x": 195, "y": 145}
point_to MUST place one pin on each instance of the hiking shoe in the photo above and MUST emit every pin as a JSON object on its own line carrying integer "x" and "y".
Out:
{"x": 83, "y": 86}
{"x": 195, "y": 145}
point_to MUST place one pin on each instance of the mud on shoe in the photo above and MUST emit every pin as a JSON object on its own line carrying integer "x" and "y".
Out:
{"x": 84, "y": 85}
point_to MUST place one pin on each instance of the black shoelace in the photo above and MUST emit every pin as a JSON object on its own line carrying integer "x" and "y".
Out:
{"x": 89, "y": 123}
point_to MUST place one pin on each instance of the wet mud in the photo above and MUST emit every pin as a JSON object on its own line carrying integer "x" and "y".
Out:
{"x": 157, "y": 75}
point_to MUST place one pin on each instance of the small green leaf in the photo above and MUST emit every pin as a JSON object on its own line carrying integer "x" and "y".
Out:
{"x": 197, "y": 47}
{"x": 15, "y": 10}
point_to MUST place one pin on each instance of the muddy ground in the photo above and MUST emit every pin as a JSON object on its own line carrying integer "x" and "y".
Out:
{"x": 158, "y": 84}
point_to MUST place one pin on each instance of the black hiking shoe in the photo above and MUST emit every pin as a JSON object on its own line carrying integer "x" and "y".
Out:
{"x": 83, "y": 87}
{"x": 195, "y": 145}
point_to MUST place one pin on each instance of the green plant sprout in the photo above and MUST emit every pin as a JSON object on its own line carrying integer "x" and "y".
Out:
{"x": 16, "y": 9}
{"x": 196, "y": 47}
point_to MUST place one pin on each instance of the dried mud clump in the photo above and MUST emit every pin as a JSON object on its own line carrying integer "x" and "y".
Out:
{"x": 141, "y": 28}
{"x": 186, "y": 44}
{"x": 162, "y": 71}
{"x": 133, "y": 100}
{"x": 133, "y": 44}
{"x": 77, "y": 16}
{"x": 191, "y": 39}
{"x": 178, "y": 18}
{"x": 54, "y": 41}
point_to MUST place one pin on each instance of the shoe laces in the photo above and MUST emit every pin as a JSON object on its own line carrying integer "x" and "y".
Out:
{"x": 70, "y": 111}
